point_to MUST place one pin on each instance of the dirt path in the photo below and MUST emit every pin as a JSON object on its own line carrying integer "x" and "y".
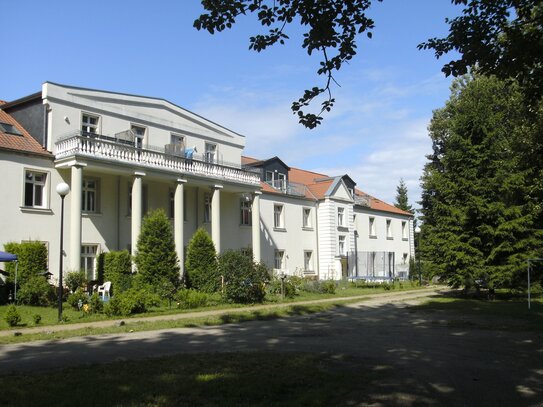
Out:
{"x": 414, "y": 357}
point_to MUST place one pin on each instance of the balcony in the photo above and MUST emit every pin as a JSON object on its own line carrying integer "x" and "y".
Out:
{"x": 362, "y": 200}
{"x": 289, "y": 188}
{"x": 118, "y": 149}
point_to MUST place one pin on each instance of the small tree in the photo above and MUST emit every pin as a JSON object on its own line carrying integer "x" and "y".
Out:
{"x": 156, "y": 259}
{"x": 201, "y": 263}
{"x": 75, "y": 280}
{"x": 244, "y": 280}
{"x": 118, "y": 270}
{"x": 402, "y": 200}
{"x": 32, "y": 260}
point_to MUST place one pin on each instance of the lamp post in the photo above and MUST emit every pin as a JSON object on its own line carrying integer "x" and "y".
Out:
{"x": 418, "y": 232}
{"x": 62, "y": 189}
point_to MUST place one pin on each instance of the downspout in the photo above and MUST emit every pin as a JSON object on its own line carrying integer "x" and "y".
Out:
{"x": 45, "y": 125}
{"x": 317, "y": 237}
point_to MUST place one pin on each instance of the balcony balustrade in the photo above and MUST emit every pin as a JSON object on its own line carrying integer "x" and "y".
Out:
{"x": 112, "y": 149}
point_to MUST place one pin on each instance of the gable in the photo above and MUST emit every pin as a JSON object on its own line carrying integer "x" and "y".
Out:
{"x": 339, "y": 190}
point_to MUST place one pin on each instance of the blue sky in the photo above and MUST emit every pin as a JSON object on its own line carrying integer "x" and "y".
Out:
{"x": 376, "y": 132}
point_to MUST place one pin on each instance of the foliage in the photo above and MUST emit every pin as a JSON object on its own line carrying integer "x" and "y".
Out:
{"x": 118, "y": 270}
{"x": 31, "y": 259}
{"x": 36, "y": 291}
{"x": 244, "y": 280}
{"x": 156, "y": 259}
{"x": 131, "y": 301}
{"x": 201, "y": 263}
{"x": 482, "y": 189}
{"x": 100, "y": 259}
{"x": 498, "y": 37}
{"x": 37, "y": 319}
{"x": 74, "y": 298}
{"x": 402, "y": 200}
{"x": 187, "y": 298}
{"x": 95, "y": 303}
{"x": 75, "y": 280}
{"x": 331, "y": 29}
{"x": 12, "y": 316}
{"x": 289, "y": 289}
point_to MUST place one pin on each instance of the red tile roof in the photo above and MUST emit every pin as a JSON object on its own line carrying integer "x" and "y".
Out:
{"x": 25, "y": 143}
{"x": 317, "y": 185}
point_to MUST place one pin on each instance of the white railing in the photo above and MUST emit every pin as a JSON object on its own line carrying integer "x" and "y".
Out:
{"x": 105, "y": 148}
{"x": 287, "y": 187}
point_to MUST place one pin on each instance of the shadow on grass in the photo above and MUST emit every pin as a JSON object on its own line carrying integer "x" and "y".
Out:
{"x": 356, "y": 355}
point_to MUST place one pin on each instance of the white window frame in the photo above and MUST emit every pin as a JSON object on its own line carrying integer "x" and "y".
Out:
{"x": 140, "y": 135}
{"x": 404, "y": 230}
{"x": 88, "y": 192}
{"x": 389, "y": 229}
{"x": 89, "y": 251}
{"x": 306, "y": 218}
{"x": 210, "y": 152}
{"x": 308, "y": 261}
{"x": 279, "y": 259}
{"x": 245, "y": 212}
{"x": 39, "y": 188}
{"x": 86, "y": 123}
{"x": 278, "y": 216}
{"x": 341, "y": 216}
{"x": 341, "y": 243}
{"x": 207, "y": 208}
{"x": 372, "y": 230}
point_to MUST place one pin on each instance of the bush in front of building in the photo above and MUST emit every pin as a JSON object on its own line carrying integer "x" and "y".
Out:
{"x": 188, "y": 298}
{"x": 244, "y": 280}
{"x": 12, "y": 316}
{"x": 31, "y": 259}
{"x": 36, "y": 291}
{"x": 75, "y": 280}
{"x": 118, "y": 270}
{"x": 201, "y": 263}
{"x": 132, "y": 301}
{"x": 156, "y": 259}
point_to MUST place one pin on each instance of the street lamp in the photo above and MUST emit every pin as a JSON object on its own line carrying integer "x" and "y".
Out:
{"x": 62, "y": 189}
{"x": 418, "y": 232}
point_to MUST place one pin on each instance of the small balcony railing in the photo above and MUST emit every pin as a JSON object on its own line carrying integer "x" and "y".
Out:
{"x": 289, "y": 188}
{"x": 165, "y": 158}
{"x": 362, "y": 200}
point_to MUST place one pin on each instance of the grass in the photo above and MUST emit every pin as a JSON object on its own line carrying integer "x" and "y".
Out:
{"x": 230, "y": 379}
{"x": 50, "y": 314}
{"x": 232, "y": 316}
{"x": 512, "y": 314}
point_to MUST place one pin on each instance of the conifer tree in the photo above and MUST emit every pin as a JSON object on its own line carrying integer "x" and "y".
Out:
{"x": 402, "y": 200}
{"x": 201, "y": 264}
{"x": 156, "y": 259}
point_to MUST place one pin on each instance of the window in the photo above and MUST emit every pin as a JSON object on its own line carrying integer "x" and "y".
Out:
{"x": 269, "y": 177}
{"x": 341, "y": 216}
{"x": 207, "y": 208}
{"x": 281, "y": 182}
{"x": 279, "y": 259}
{"x": 88, "y": 260}
{"x": 308, "y": 260}
{"x": 404, "y": 230}
{"x": 278, "y": 217}
{"x": 139, "y": 135}
{"x": 210, "y": 153}
{"x": 89, "y": 124}
{"x": 389, "y": 229}
{"x": 306, "y": 217}
{"x": 144, "y": 194}
{"x": 372, "y": 227}
{"x": 177, "y": 139}
{"x": 34, "y": 195}
{"x": 9, "y": 129}
{"x": 89, "y": 199}
{"x": 404, "y": 258}
{"x": 341, "y": 245}
{"x": 391, "y": 264}
{"x": 245, "y": 209}
{"x": 171, "y": 204}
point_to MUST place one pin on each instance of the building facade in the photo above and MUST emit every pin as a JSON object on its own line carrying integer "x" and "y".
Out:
{"x": 123, "y": 155}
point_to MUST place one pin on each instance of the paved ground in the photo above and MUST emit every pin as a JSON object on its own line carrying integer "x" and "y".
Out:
{"x": 424, "y": 358}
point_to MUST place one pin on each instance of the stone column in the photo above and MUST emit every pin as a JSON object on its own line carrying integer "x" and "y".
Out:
{"x": 255, "y": 212}
{"x": 76, "y": 189}
{"x": 136, "y": 213}
{"x": 216, "y": 217}
{"x": 178, "y": 223}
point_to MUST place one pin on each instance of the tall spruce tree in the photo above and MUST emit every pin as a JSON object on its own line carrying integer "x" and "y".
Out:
{"x": 156, "y": 259}
{"x": 478, "y": 203}
{"x": 402, "y": 200}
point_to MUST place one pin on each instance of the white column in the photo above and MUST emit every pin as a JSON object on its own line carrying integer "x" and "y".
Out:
{"x": 178, "y": 224}
{"x": 216, "y": 217}
{"x": 75, "y": 217}
{"x": 255, "y": 211}
{"x": 136, "y": 214}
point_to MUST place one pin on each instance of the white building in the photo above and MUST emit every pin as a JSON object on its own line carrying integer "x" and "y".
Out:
{"x": 123, "y": 155}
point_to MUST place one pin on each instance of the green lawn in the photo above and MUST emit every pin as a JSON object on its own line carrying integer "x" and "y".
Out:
{"x": 231, "y": 379}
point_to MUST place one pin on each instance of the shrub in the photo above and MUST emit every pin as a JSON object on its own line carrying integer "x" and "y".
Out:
{"x": 244, "y": 281}
{"x": 36, "y": 291}
{"x": 132, "y": 301}
{"x": 95, "y": 303}
{"x": 12, "y": 316}
{"x": 75, "y": 280}
{"x": 73, "y": 299}
{"x": 156, "y": 259}
{"x": 118, "y": 270}
{"x": 32, "y": 260}
{"x": 188, "y": 298}
{"x": 289, "y": 288}
{"x": 37, "y": 319}
{"x": 100, "y": 268}
{"x": 328, "y": 287}
{"x": 201, "y": 264}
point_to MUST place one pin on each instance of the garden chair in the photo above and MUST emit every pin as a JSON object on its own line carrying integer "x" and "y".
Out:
{"x": 104, "y": 289}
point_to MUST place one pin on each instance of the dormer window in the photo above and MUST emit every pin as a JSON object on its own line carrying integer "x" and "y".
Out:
{"x": 210, "y": 153}
{"x": 89, "y": 123}
{"x": 10, "y": 129}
